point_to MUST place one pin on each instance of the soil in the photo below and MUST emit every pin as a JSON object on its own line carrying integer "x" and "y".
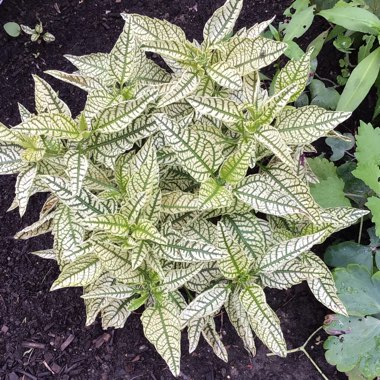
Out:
{"x": 42, "y": 333}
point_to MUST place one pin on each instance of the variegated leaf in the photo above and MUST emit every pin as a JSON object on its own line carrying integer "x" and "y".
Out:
{"x": 114, "y": 291}
{"x": 225, "y": 76}
{"x": 81, "y": 272}
{"x": 194, "y": 331}
{"x": 288, "y": 250}
{"x": 219, "y": 108}
{"x": 207, "y": 303}
{"x": 117, "y": 118}
{"x": 115, "y": 314}
{"x": 213, "y": 195}
{"x": 323, "y": 287}
{"x": 162, "y": 328}
{"x": 250, "y": 55}
{"x": 77, "y": 166}
{"x": 208, "y": 275}
{"x": 240, "y": 320}
{"x": 10, "y": 159}
{"x": 196, "y": 154}
{"x": 178, "y": 202}
{"x": 177, "y": 277}
{"x": 301, "y": 126}
{"x": 263, "y": 319}
{"x": 213, "y": 339}
{"x": 246, "y": 230}
{"x": 115, "y": 224}
{"x": 42, "y": 226}
{"x": 48, "y": 254}
{"x": 24, "y": 185}
{"x": 122, "y": 56}
{"x": 84, "y": 82}
{"x": 235, "y": 264}
{"x": 47, "y": 100}
{"x": 92, "y": 65}
{"x": 59, "y": 126}
{"x": 145, "y": 230}
{"x": 176, "y": 50}
{"x": 222, "y": 22}
{"x": 295, "y": 72}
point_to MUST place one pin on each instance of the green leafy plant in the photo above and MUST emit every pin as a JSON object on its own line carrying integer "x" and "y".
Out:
{"x": 37, "y": 33}
{"x": 12, "y": 28}
{"x": 354, "y": 344}
{"x": 150, "y": 204}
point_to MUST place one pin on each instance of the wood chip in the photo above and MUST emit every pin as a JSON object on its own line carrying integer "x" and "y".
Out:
{"x": 4, "y": 329}
{"x": 98, "y": 342}
{"x": 56, "y": 368}
{"x": 39, "y": 346}
{"x": 67, "y": 342}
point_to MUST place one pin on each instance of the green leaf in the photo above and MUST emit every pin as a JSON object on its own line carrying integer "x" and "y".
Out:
{"x": 322, "y": 96}
{"x": 353, "y": 18}
{"x": 115, "y": 224}
{"x": 222, "y": 22}
{"x": 349, "y": 252}
{"x": 176, "y": 50}
{"x": 213, "y": 339}
{"x": 207, "y": 303}
{"x": 359, "y": 291}
{"x": 360, "y": 82}
{"x": 162, "y": 329}
{"x": 116, "y": 292}
{"x": 115, "y": 314}
{"x": 81, "y": 272}
{"x": 356, "y": 344}
{"x": 77, "y": 166}
{"x": 368, "y": 156}
{"x": 329, "y": 191}
{"x": 145, "y": 230}
{"x": 10, "y": 160}
{"x": 213, "y": 195}
{"x": 24, "y": 185}
{"x": 299, "y": 24}
{"x": 176, "y": 278}
{"x": 340, "y": 146}
{"x": 263, "y": 319}
{"x": 178, "y": 202}
{"x": 225, "y": 76}
{"x": 12, "y": 29}
{"x": 373, "y": 205}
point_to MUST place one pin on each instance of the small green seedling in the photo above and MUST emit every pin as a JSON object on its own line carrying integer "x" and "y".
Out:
{"x": 37, "y": 33}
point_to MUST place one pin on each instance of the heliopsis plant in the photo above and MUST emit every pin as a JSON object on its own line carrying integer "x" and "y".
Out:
{"x": 179, "y": 192}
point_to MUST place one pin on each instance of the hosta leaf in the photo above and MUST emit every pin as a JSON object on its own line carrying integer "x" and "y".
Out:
{"x": 115, "y": 314}
{"x": 213, "y": 195}
{"x": 122, "y": 56}
{"x": 207, "y": 303}
{"x": 85, "y": 203}
{"x": 92, "y": 65}
{"x": 250, "y": 55}
{"x": 294, "y": 72}
{"x": 225, "y": 76}
{"x": 145, "y": 230}
{"x": 40, "y": 227}
{"x": 162, "y": 329}
{"x": 178, "y": 202}
{"x": 239, "y": 319}
{"x": 81, "y": 272}
{"x": 150, "y": 29}
{"x": 301, "y": 126}
{"x": 47, "y": 99}
{"x": 175, "y": 50}
{"x": 175, "y": 278}
{"x": 24, "y": 185}
{"x": 219, "y": 108}
{"x": 263, "y": 319}
{"x": 183, "y": 87}
{"x": 59, "y": 126}
{"x": 236, "y": 165}
{"x": 271, "y": 138}
{"x": 117, "y": 118}
{"x": 222, "y": 22}
{"x": 289, "y": 274}
{"x": 323, "y": 288}
{"x": 213, "y": 339}
{"x": 235, "y": 263}
{"x": 196, "y": 154}
{"x": 115, "y": 291}
{"x": 77, "y": 166}
{"x": 84, "y": 82}
{"x": 180, "y": 249}
{"x": 115, "y": 224}
{"x": 245, "y": 229}
{"x": 288, "y": 250}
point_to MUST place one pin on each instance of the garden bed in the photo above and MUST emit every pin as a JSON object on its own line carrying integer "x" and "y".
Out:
{"x": 42, "y": 333}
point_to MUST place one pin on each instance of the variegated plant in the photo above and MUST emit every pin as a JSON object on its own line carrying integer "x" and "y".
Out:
{"x": 150, "y": 203}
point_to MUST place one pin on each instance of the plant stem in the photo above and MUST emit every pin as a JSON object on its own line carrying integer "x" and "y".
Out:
{"x": 303, "y": 349}
{"x": 360, "y": 229}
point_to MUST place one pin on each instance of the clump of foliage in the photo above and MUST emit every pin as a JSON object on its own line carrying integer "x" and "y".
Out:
{"x": 354, "y": 344}
{"x": 150, "y": 204}
{"x": 37, "y": 33}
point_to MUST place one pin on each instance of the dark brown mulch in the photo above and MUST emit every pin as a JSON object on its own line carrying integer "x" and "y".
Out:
{"x": 42, "y": 334}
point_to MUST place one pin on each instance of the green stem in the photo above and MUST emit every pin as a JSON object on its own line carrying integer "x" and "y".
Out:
{"x": 360, "y": 229}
